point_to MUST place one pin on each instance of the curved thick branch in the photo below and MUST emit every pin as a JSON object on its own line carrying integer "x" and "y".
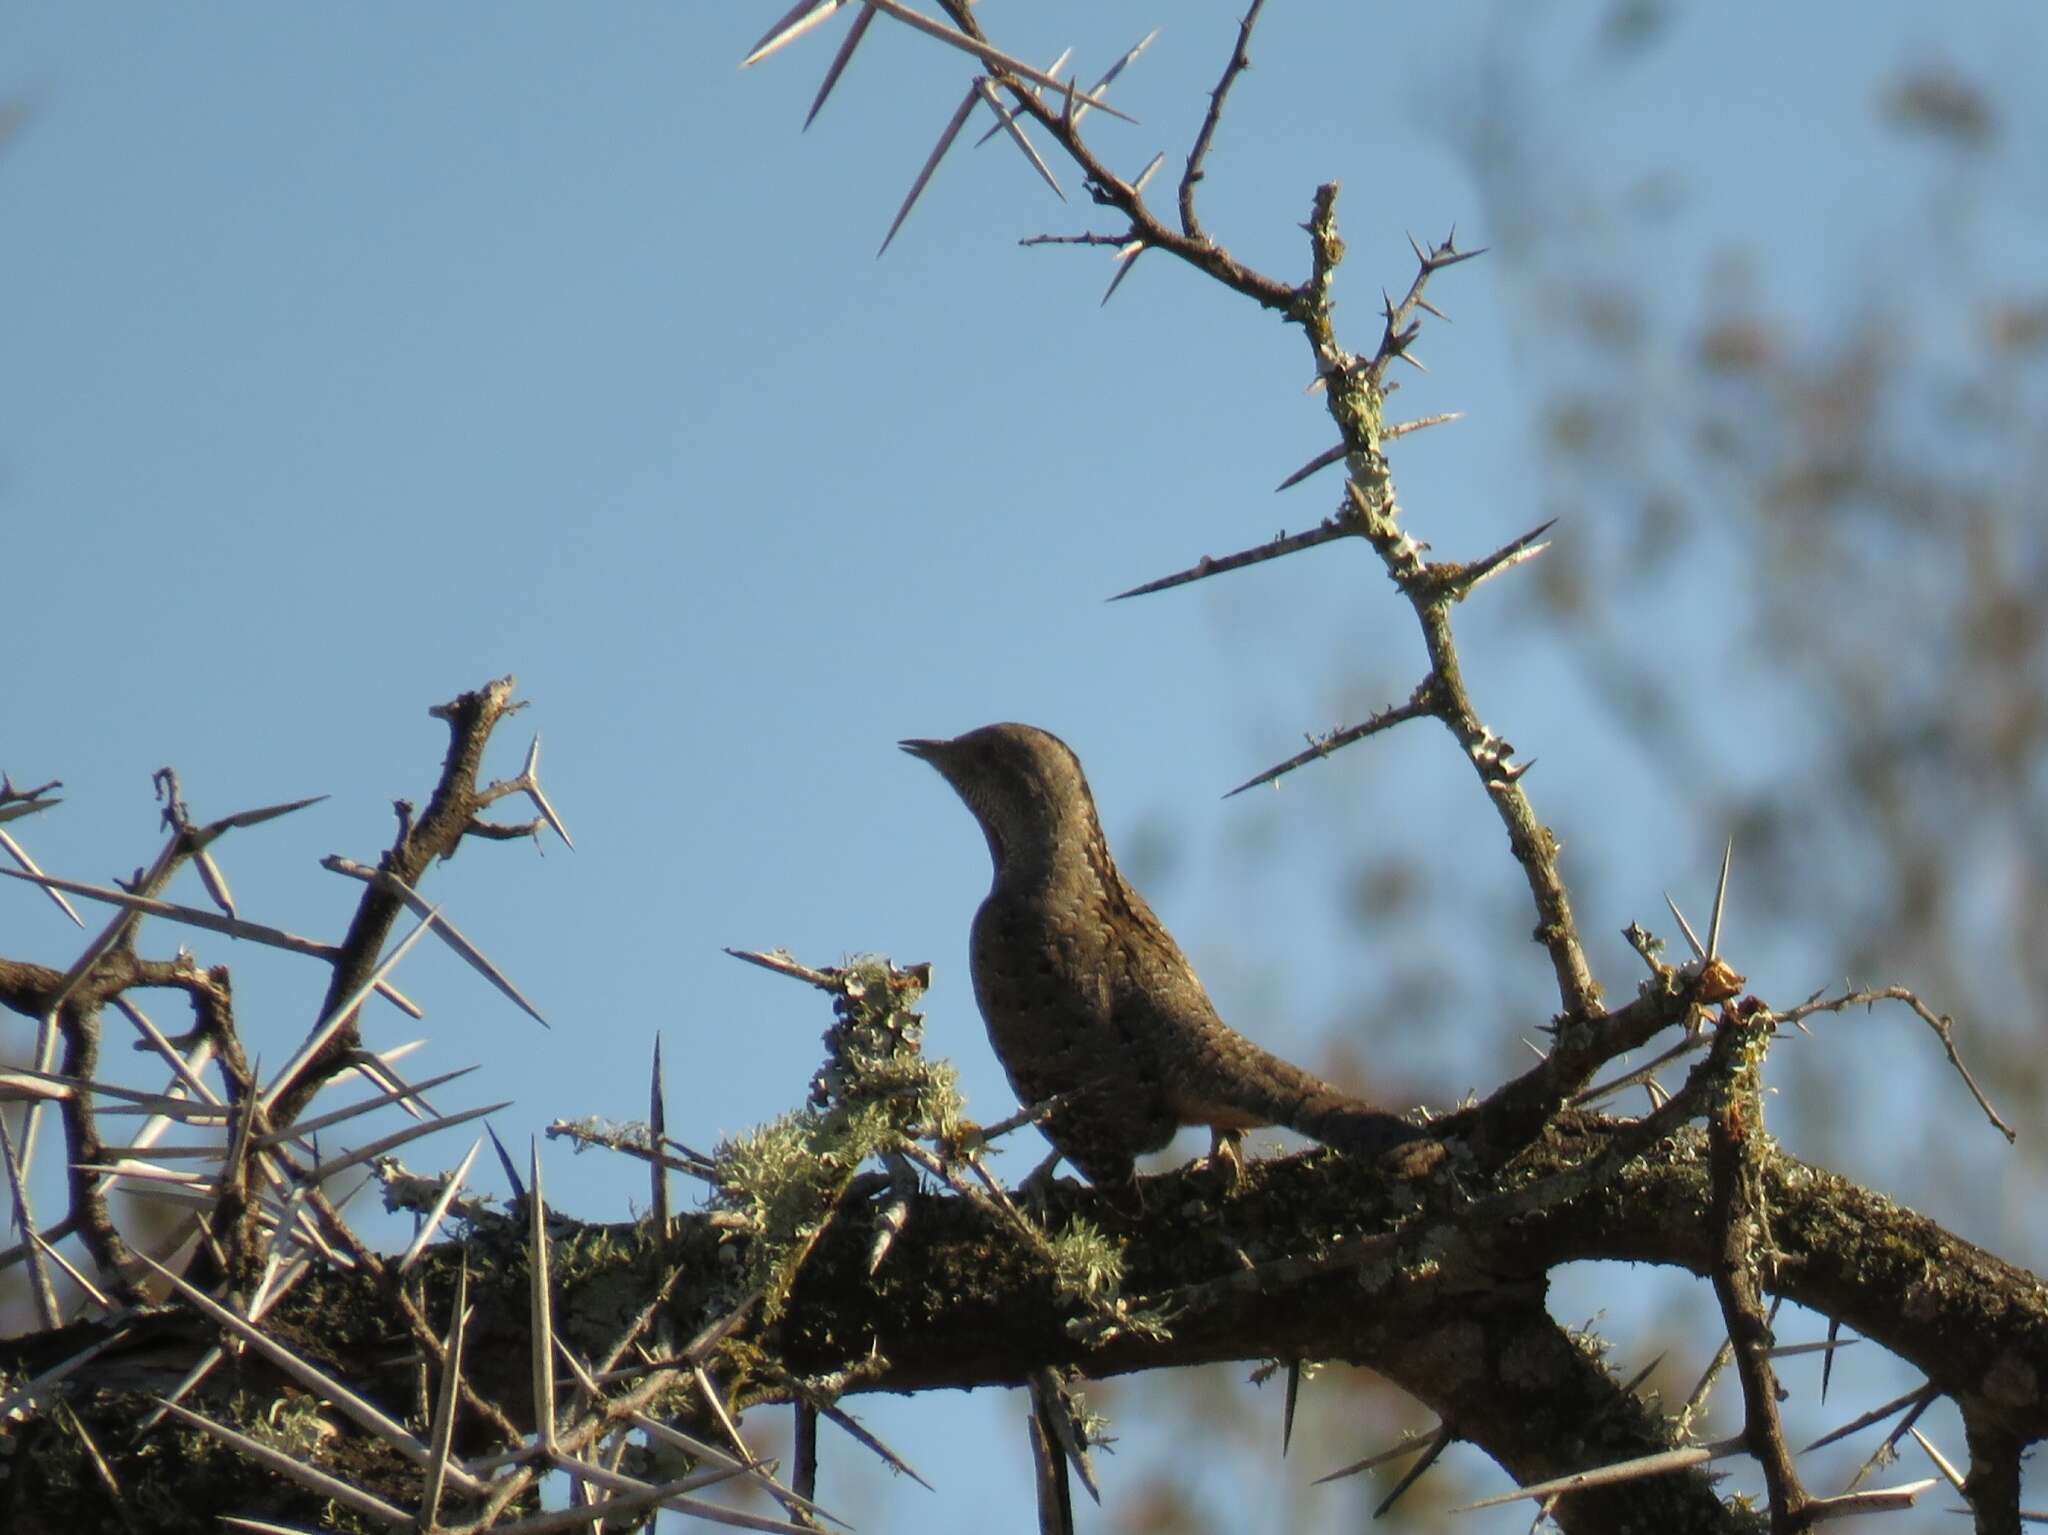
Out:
{"x": 1441, "y": 1293}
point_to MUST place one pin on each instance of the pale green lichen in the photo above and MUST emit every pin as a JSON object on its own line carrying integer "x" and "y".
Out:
{"x": 874, "y": 1094}
{"x": 1085, "y": 1263}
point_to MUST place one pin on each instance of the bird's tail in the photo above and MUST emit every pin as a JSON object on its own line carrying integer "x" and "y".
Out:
{"x": 1352, "y": 1126}
{"x": 1257, "y": 1088}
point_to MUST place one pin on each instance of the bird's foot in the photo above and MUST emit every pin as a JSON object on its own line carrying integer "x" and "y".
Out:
{"x": 1225, "y": 1161}
{"x": 1032, "y": 1192}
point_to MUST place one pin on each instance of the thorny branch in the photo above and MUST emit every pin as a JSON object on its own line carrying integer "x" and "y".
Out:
{"x": 69, "y": 1005}
{"x": 1587, "y": 1035}
{"x": 1744, "y": 1250}
{"x": 1355, "y": 390}
{"x": 973, "y": 1286}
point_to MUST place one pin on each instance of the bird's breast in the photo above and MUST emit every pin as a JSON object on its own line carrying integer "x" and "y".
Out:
{"x": 1044, "y": 977}
{"x": 1037, "y": 955}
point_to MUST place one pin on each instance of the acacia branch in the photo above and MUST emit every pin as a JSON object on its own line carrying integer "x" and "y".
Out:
{"x": 958, "y": 1305}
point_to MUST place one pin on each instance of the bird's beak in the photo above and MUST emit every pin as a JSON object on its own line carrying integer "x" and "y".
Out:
{"x": 924, "y": 751}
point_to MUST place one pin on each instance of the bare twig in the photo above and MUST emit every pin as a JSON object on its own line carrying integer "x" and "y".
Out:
{"x": 1240, "y": 61}
{"x": 1941, "y": 1023}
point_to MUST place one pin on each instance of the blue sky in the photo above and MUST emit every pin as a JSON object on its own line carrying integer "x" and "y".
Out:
{"x": 359, "y": 355}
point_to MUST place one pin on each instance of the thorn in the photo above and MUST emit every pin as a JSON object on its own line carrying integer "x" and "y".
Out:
{"x": 529, "y": 781}
{"x": 346, "y": 1012}
{"x": 657, "y": 1132}
{"x": 1720, "y": 902}
{"x": 474, "y": 957}
{"x": 29, "y": 866}
{"x": 1057, "y": 1415}
{"x": 1698, "y": 951}
{"x": 795, "y": 22}
{"x": 1916, "y": 1400}
{"x": 866, "y": 1438}
{"x": 840, "y": 60}
{"x": 1052, "y": 69}
{"x": 1794, "y": 1350}
{"x": 1109, "y": 75}
{"x": 215, "y": 881}
{"x": 1420, "y": 423}
{"x": 1006, "y": 119}
{"x": 1126, "y": 259}
{"x": 1414, "y": 1473}
{"x": 1288, "y": 543}
{"x": 1462, "y": 579}
{"x": 1941, "y": 1461}
{"x": 993, "y": 58}
{"x": 505, "y": 1162}
{"x": 1316, "y": 465}
{"x": 247, "y": 818}
{"x": 1642, "y": 1074}
{"x": 1879, "y": 1500}
{"x": 931, "y": 162}
{"x": 782, "y": 963}
{"x": 1408, "y": 1445}
{"x": 1644, "y": 1373}
{"x": 1421, "y": 703}
{"x": 540, "y": 1305}
{"x": 441, "y": 1430}
{"x": 447, "y": 1198}
{"x": 194, "y": 916}
{"x": 1660, "y": 1464}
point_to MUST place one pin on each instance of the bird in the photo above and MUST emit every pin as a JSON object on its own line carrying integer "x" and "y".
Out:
{"x": 1087, "y": 998}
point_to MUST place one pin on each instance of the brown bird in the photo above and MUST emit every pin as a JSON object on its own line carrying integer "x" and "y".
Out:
{"x": 1086, "y": 994}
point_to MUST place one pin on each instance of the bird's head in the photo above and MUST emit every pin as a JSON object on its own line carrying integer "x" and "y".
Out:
{"x": 1024, "y": 785}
